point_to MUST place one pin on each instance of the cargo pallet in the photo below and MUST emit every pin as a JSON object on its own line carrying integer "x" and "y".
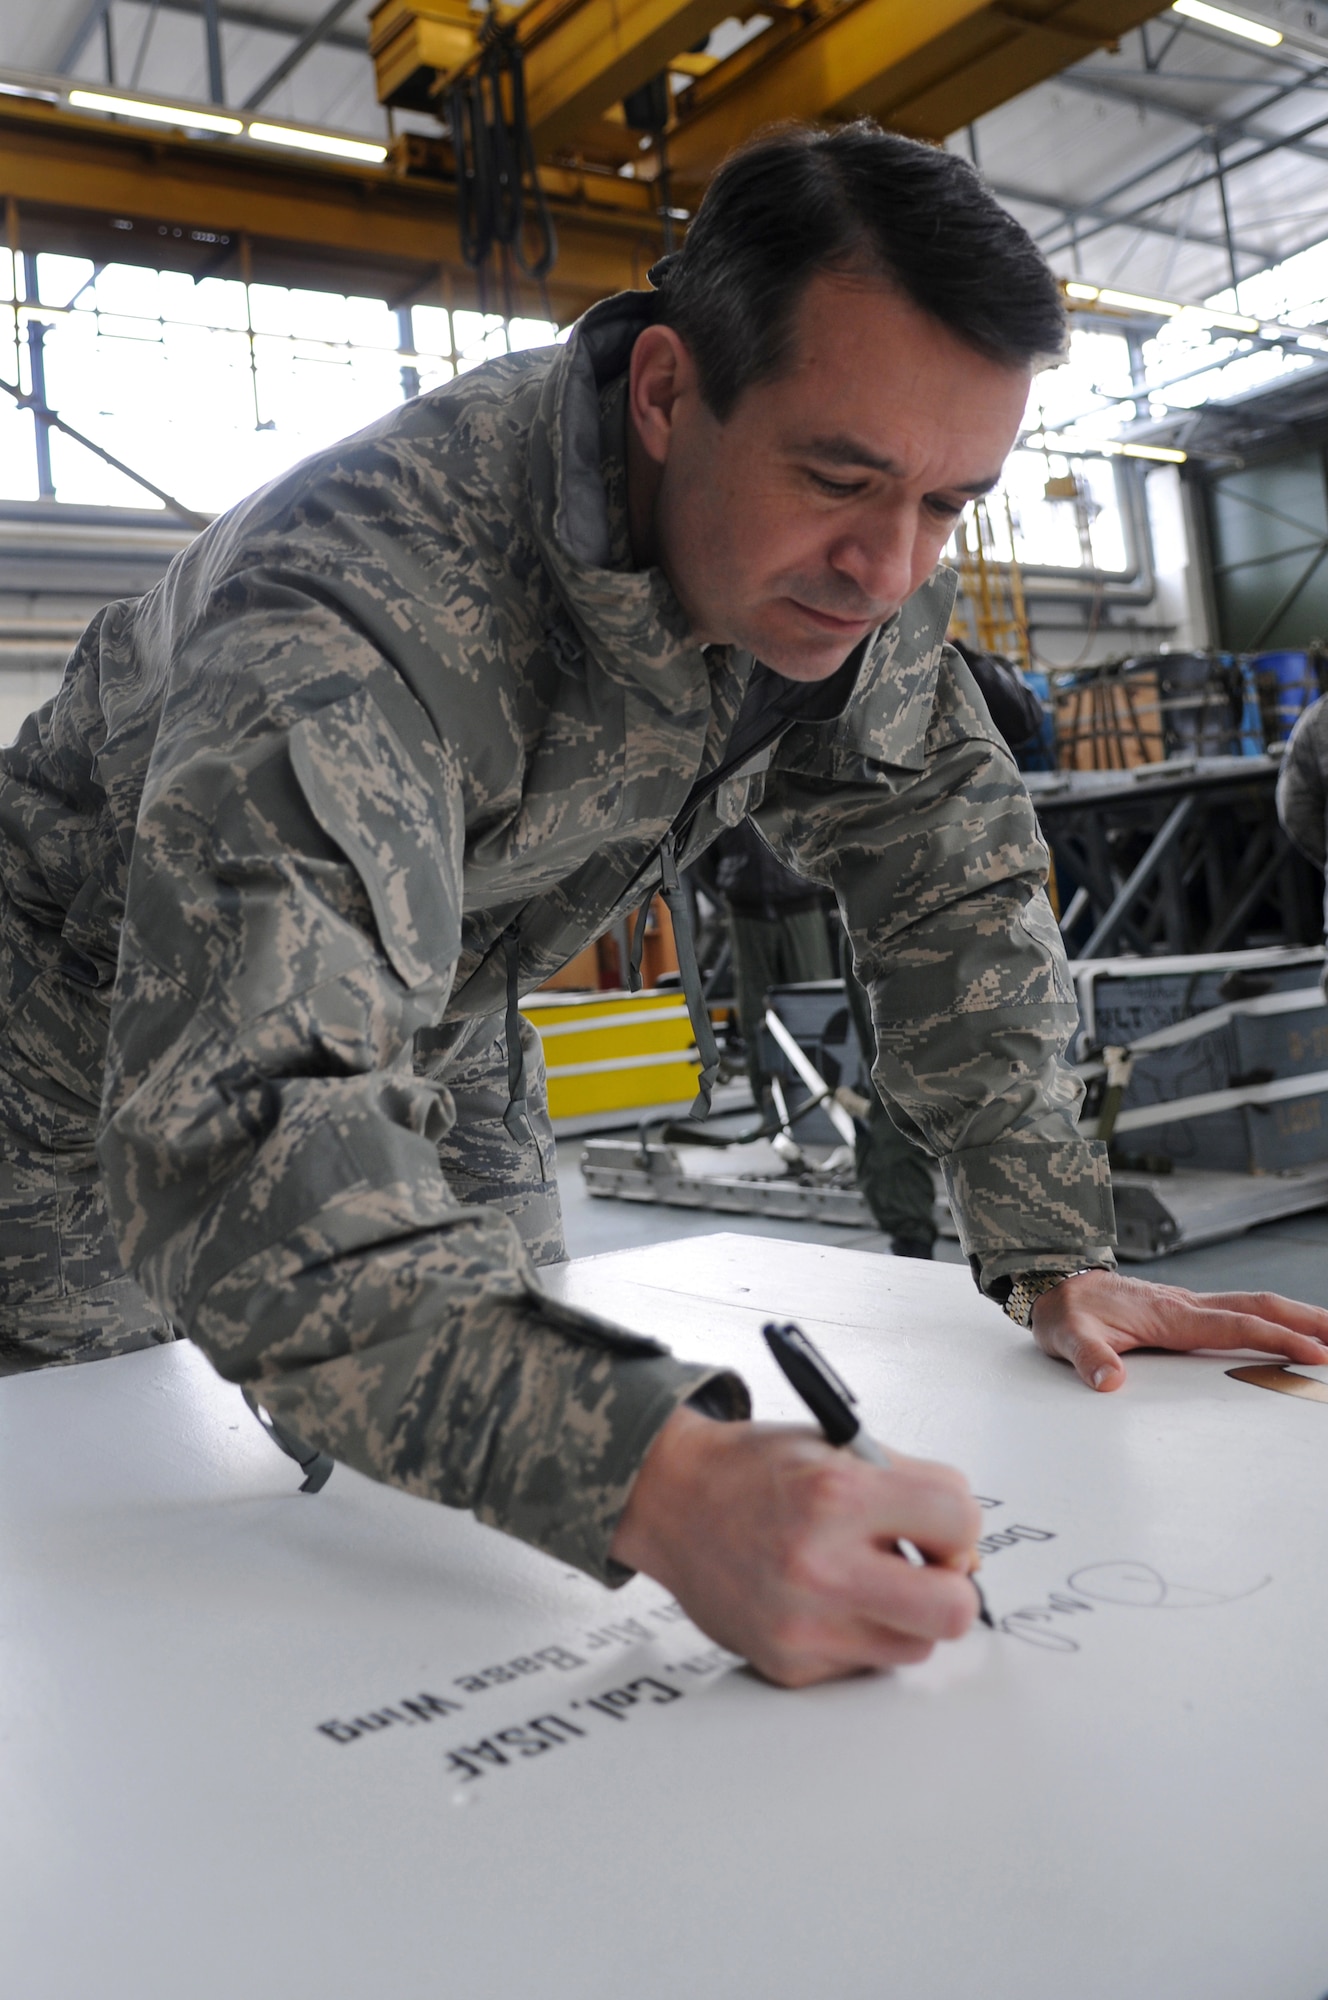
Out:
{"x": 1156, "y": 1214}
{"x": 1219, "y": 1056}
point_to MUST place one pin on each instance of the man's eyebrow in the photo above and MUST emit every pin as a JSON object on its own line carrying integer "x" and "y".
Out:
{"x": 841, "y": 450}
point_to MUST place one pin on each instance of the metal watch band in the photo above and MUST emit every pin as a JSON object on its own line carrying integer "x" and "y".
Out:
{"x": 1025, "y": 1292}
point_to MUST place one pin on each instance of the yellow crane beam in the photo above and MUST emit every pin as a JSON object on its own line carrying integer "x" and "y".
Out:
{"x": 112, "y": 189}
{"x": 581, "y": 56}
{"x": 926, "y": 67}
{"x": 923, "y": 69}
{"x": 115, "y": 192}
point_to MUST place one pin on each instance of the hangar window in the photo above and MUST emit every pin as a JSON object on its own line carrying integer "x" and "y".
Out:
{"x": 1065, "y": 509}
{"x": 205, "y": 387}
{"x": 1185, "y": 365}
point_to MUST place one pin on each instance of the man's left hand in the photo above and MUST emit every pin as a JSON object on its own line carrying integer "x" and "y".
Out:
{"x": 1091, "y": 1320}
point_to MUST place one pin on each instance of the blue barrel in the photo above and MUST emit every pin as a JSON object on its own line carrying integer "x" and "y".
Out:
{"x": 1039, "y": 753}
{"x": 1291, "y": 684}
{"x": 1251, "y": 716}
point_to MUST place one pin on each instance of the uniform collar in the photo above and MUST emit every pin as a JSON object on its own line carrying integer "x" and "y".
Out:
{"x": 630, "y": 620}
{"x": 889, "y": 711}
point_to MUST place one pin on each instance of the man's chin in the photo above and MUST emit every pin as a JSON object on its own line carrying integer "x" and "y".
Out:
{"x": 804, "y": 662}
{"x": 791, "y": 646}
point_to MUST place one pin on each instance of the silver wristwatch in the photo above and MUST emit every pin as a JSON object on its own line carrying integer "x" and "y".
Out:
{"x": 1025, "y": 1292}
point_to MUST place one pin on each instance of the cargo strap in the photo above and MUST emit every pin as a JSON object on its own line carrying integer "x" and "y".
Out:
{"x": 1120, "y": 1068}
{"x": 698, "y": 1009}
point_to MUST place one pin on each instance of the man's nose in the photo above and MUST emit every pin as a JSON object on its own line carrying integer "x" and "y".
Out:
{"x": 882, "y": 558}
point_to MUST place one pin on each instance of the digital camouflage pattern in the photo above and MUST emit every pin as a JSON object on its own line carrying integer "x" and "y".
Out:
{"x": 912, "y": 810}
{"x": 54, "y": 1244}
{"x": 1302, "y": 789}
{"x": 1302, "y": 783}
{"x": 261, "y": 854}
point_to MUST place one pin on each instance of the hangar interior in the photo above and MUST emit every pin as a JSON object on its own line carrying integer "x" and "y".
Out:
{"x": 235, "y": 233}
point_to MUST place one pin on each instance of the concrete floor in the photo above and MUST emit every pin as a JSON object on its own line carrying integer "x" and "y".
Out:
{"x": 1290, "y": 1257}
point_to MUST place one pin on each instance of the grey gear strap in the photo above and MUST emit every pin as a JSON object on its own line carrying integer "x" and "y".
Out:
{"x": 698, "y": 1010}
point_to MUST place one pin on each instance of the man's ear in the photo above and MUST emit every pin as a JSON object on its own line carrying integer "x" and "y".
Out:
{"x": 662, "y": 373}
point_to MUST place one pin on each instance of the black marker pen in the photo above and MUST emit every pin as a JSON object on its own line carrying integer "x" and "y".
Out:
{"x": 831, "y": 1402}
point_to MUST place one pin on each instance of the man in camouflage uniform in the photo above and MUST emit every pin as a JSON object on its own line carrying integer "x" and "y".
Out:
{"x": 400, "y": 734}
{"x": 779, "y": 935}
{"x": 1302, "y": 789}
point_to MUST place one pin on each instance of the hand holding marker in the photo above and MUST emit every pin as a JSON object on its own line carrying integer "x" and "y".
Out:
{"x": 831, "y": 1401}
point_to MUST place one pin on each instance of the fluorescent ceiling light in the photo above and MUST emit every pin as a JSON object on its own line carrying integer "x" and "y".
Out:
{"x": 1133, "y": 302}
{"x": 1238, "y": 322}
{"x": 192, "y": 119}
{"x": 29, "y": 90}
{"x": 1161, "y": 308}
{"x": 318, "y": 142}
{"x": 1230, "y": 24}
{"x": 162, "y": 114}
{"x": 1162, "y": 453}
{"x": 1105, "y": 448}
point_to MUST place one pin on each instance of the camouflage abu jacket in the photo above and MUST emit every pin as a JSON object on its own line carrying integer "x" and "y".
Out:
{"x": 1302, "y": 783}
{"x": 263, "y": 849}
{"x": 1302, "y": 790}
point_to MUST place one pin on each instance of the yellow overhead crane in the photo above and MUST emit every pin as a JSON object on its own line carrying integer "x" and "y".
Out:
{"x": 925, "y": 67}
{"x": 90, "y": 187}
{"x": 106, "y": 187}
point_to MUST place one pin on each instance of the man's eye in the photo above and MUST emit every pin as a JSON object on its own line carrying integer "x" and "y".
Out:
{"x": 839, "y": 487}
{"x": 946, "y": 510}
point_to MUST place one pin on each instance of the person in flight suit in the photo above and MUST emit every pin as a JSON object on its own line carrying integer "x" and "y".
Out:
{"x": 402, "y": 732}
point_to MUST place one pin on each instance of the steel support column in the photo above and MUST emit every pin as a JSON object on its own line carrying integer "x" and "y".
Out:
{"x": 212, "y": 36}
{"x": 1073, "y": 211}
{"x": 310, "y": 40}
{"x": 1133, "y": 218}
{"x": 1158, "y": 848}
{"x": 36, "y": 399}
{"x": 82, "y": 35}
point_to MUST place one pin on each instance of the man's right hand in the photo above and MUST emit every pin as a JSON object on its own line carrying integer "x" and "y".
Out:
{"x": 783, "y": 1549}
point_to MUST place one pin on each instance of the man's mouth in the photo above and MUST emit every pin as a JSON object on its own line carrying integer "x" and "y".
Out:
{"x": 828, "y": 621}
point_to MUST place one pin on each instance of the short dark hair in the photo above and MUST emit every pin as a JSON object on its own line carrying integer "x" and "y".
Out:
{"x": 798, "y": 201}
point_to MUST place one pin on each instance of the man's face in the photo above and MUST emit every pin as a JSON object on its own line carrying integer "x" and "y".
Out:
{"x": 803, "y": 521}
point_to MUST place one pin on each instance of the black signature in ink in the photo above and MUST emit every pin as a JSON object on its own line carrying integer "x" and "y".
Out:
{"x": 1135, "y": 1585}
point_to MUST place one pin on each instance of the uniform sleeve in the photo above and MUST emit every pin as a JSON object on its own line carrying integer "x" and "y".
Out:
{"x": 1302, "y": 784}
{"x": 940, "y": 880}
{"x": 271, "y": 1155}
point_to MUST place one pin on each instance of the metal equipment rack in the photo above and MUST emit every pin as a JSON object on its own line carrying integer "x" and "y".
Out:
{"x": 1182, "y": 856}
{"x": 1157, "y": 1212}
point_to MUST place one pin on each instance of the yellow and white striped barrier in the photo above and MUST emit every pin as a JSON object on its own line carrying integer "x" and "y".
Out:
{"x": 607, "y": 1052}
